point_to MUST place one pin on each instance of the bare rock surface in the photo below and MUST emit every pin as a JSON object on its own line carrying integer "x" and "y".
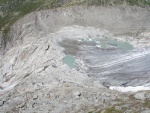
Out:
{"x": 33, "y": 77}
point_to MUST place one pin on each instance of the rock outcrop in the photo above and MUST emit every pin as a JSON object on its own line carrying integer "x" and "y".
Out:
{"x": 32, "y": 75}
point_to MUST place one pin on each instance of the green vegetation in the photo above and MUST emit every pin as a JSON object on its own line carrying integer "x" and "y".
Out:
{"x": 111, "y": 110}
{"x": 141, "y": 3}
{"x": 12, "y": 10}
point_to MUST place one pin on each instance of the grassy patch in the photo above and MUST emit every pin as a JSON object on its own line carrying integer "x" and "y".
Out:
{"x": 12, "y": 10}
{"x": 141, "y": 3}
{"x": 112, "y": 110}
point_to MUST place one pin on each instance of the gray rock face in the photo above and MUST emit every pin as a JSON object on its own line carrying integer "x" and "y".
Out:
{"x": 29, "y": 80}
{"x": 28, "y": 70}
{"x": 118, "y": 20}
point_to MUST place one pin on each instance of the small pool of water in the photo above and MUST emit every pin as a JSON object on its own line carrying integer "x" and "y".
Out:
{"x": 70, "y": 61}
{"x": 109, "y": 42}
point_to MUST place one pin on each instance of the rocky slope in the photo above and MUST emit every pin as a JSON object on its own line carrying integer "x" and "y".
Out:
{"x": 34, "y": 77}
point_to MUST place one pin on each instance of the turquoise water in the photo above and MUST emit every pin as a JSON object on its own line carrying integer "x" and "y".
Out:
{"x": 70, "y": 61}
{"x": 115, "y": 43}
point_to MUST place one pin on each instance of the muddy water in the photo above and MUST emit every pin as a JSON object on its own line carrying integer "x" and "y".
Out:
{"x": 112, "y": 62}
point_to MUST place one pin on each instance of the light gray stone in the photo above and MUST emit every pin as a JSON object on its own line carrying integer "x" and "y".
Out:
{"x": 77, "y": 94}
{"x": 35, "y": 96}
{"x": 54, "y": 66}
{"x": 1, "y": 103}
{"x": 147, "y": 95}
{"x": 140, "y": 96}
{"x": 145, "y": 111}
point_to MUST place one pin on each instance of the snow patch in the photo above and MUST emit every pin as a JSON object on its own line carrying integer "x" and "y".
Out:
{"x": 129, "y": 88}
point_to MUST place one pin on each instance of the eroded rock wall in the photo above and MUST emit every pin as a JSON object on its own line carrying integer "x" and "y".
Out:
{"x": 119, "y": 20}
